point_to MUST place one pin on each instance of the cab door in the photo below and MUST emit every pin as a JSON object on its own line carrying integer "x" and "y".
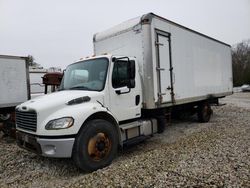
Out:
{"x": 125, "y": 89}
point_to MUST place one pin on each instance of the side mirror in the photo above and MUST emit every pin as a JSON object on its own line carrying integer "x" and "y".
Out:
{"x": 124, "y": 63}
{"x": 131, "y": 83}
{"x": 132, "y": 69}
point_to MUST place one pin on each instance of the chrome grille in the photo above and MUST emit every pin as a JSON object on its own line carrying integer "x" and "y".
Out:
{"x": 26, "y": 120}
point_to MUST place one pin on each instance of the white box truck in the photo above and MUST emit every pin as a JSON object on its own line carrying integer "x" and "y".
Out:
{"x": 14, "y": 88}
{"x": 142, "y": 70}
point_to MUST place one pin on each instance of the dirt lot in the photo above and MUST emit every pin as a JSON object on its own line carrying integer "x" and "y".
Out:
{"x": 214, "y": 154}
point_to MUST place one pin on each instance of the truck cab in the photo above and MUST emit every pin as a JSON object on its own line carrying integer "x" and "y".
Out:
{"x": 96, "y": 110}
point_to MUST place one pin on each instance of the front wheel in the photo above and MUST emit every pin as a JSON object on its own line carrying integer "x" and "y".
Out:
{"x": 96, "y": 145}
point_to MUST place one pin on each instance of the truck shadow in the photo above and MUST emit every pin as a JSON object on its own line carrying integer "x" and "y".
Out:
{"x": 180, "y": 127}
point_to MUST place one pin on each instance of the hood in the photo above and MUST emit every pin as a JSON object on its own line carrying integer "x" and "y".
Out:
{"x": 59, "y": 99}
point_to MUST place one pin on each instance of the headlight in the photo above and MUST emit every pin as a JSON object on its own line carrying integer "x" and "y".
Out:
{"x": 61, "y": 123}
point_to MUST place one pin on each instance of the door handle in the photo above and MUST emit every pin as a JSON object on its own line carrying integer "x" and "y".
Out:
{"x": 160, "y": 69}
{"x": 168, "y": 88}
{"x": 158, "y": 43}
{"x": 137, "y": 99}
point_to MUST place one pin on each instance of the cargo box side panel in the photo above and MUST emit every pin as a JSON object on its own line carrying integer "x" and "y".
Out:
{"x": 13, "y": 82}
{"x": 125, "y": 44}
{"x": 201, "y": 67}
{"x": 123, "y": 39}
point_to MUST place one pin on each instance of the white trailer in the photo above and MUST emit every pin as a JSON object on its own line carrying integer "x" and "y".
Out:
{"x": 142, "y": 70}
{"x": 14, "y": 81}
{"x": 14, "y": 84}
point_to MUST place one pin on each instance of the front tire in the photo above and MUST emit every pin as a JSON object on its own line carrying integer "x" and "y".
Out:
{"x": 96, "y": 145}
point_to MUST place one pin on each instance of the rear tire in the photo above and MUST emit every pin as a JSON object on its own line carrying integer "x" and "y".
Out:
{"x": 204, "y": 112}
{"x": 96, "y": 145}
{"x": 161, "y": 121}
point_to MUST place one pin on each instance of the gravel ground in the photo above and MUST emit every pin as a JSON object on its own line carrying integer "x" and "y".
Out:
{"x": 187, "y": 154}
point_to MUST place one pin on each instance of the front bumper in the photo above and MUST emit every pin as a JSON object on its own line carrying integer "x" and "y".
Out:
{"x": 48, "y": 147}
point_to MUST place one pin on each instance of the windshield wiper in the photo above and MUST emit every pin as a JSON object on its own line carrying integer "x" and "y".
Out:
{"x": 80, "y": 88}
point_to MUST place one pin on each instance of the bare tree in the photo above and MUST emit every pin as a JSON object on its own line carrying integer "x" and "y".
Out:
{"x": 31, "y": 61}
{"x": 241, "y": 63}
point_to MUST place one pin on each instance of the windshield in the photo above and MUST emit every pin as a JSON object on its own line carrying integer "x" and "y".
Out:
{"x": 86, "y": 75}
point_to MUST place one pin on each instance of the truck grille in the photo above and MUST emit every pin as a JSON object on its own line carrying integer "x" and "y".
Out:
{"x": 26, "y": 120}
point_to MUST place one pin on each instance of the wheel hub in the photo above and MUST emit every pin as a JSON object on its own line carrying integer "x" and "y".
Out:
{"x": 99, "y": 146}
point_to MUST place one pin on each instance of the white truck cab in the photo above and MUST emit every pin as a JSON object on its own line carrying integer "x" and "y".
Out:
{"x": 103, "y": 89}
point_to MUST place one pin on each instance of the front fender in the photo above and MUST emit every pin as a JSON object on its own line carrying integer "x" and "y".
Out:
{"x": 79, "y": 112}
{"x": 108, "y": 116}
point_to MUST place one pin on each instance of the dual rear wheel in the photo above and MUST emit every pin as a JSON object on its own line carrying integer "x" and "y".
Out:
{"x": 204, "y": 112}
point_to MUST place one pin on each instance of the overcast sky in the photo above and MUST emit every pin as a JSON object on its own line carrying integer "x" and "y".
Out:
{"x": 58, "y": 32}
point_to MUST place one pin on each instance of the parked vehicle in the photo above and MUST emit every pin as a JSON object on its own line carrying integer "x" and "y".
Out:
{"x": 14, "y": 84}
{"x": 142, "y": 70}
{"x": 245, "y": 88}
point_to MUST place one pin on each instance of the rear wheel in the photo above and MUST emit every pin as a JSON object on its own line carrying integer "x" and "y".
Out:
{"x": 96, "y": 145}
{"x": 204, "y": 112}
{"x": 161, "y": 121}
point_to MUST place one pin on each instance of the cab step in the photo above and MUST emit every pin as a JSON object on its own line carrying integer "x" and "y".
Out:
{"x": 135, "y": 140}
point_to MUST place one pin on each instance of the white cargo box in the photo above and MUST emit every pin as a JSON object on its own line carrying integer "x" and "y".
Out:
{"x": 177, "y": 65}
{"x": 14, "y": 81}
